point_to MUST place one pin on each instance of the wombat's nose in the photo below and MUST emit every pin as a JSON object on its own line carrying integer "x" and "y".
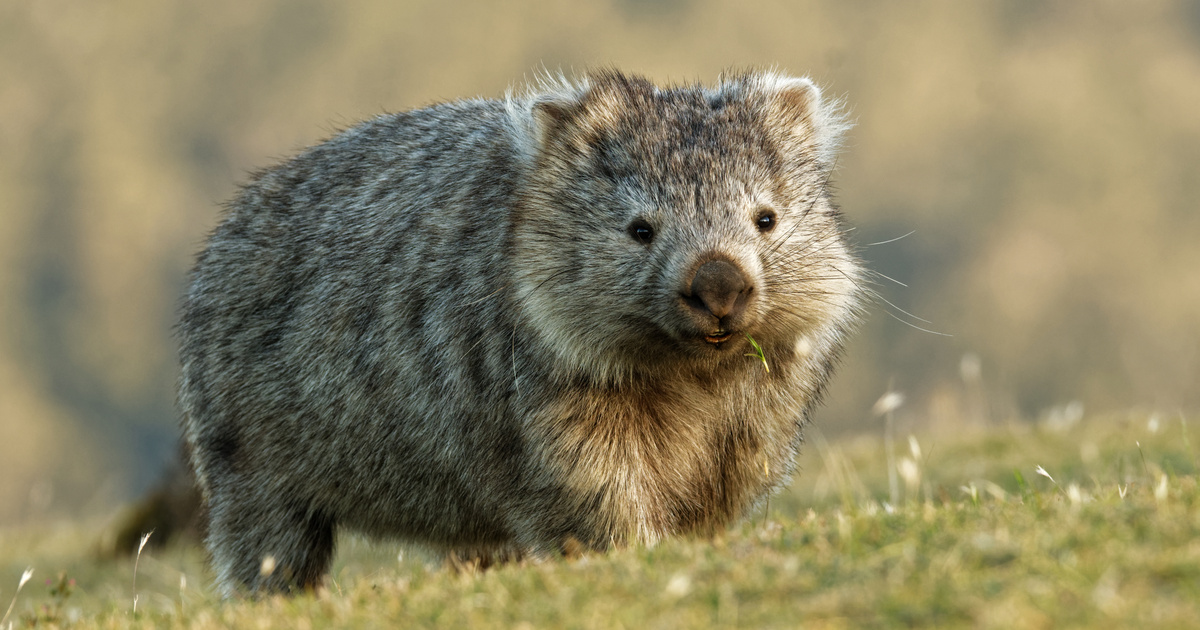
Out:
{"x": 718, "y": 287}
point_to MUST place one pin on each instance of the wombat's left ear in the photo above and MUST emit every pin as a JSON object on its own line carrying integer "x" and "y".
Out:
{"x": 818, "y": 123}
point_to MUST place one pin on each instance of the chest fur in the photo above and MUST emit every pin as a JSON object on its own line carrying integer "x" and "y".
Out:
{"x": 671, "y": 459}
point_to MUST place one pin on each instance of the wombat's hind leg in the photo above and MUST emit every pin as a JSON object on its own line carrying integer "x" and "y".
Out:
{"x": 262, "y": 547}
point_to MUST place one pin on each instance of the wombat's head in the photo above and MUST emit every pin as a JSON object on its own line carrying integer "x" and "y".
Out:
{"x": 664, "y": 226}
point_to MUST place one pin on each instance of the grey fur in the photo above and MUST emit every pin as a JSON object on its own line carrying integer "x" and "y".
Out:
{"x": 444, "y": 326}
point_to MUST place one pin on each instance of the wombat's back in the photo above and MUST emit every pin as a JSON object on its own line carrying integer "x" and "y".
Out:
{"x": 338, "y": 334}
{"x": 495, "y": 328}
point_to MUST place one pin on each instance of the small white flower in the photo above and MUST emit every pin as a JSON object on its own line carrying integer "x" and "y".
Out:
{"x": 909, "y": 470}
{"x": 679, "y": 585}
{"x": 995, "y": 490}
{"x": 25, "y": 577}
{"x": 1042, "y": 471}
{"x": 1160, "y": 492}
{"x": 145, "y": 538}
{"x": 914, "y": 447}
{"x": 888, "y": 403}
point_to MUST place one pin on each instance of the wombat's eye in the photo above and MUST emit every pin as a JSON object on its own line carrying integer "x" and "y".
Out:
{"x": 765, "y": 221}
{"x": 641, "y": 232}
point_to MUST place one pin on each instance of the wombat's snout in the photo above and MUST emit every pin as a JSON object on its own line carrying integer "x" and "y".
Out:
{"x": 716, "y": 297}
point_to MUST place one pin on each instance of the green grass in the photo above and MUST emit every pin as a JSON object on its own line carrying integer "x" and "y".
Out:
{"x": 978, "y": 539}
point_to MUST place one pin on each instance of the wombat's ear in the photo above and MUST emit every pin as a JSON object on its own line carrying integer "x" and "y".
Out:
{"x": 553, "y": 114}
{"x": 545, "y": 111}
{"x": 565, "y": 112}
{"x": 803, "y": 114}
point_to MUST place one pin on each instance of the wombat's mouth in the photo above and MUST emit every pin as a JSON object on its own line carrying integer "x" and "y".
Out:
{"x": 718, "y": 336}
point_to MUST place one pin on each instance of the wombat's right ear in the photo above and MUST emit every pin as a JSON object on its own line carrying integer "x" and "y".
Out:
{"x": 817, "y": 122}
{"x": 558, "y": 113}
{"x": 546, "y": 112}
{"x": 553, "y": 115}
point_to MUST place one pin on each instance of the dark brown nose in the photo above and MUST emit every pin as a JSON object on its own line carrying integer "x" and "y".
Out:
{"x": 719, "y": 288}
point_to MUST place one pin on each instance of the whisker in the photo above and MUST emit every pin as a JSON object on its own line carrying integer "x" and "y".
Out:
{"x": 889, "y": 303}
{"x": 912, "y": 325}
{"x": 816, "y": 197}
{"x": 826, "y": 238}
{"x": 473, "y": 303}
{"x": 886, "y": 277}
{"x": 890, "y": 240}
{"x": 544, "y": 281}
{"x": 513, "y": 346}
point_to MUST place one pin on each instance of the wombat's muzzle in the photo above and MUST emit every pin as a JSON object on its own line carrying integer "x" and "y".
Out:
{"x": 717, "y": 298}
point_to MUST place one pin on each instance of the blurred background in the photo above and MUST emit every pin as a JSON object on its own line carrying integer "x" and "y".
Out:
{"x": 1041, "y": 158}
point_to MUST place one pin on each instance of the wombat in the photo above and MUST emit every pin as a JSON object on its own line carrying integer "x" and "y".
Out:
{"x": 593, "y": 314}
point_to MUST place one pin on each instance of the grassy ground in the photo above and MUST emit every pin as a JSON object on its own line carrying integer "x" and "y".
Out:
{"x": 975, "y": 537}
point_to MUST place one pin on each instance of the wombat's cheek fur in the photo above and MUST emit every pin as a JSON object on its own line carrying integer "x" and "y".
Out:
{"x": 502, "y": 329}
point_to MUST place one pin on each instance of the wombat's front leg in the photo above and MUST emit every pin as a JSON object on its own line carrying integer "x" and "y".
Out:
{"x": 267, "y": 545}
